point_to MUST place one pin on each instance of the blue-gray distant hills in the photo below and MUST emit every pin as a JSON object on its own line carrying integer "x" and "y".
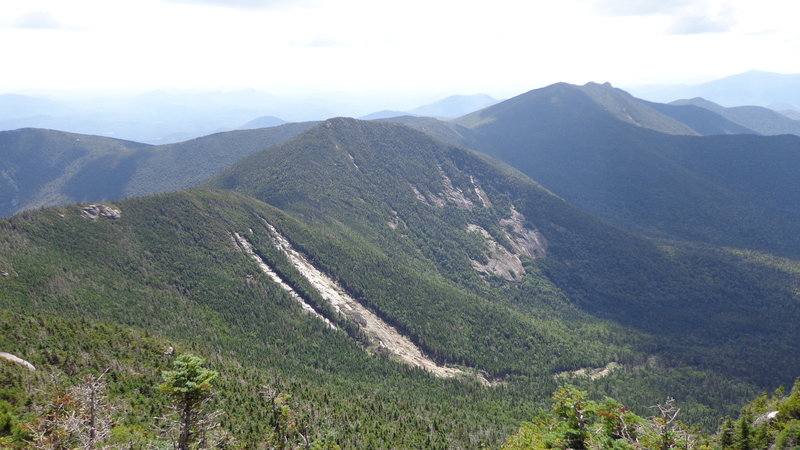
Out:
{"x": 158, "y": 117}
{"x": 262, "y": 122}
{"x": 454, "y": 106}
{"x": 759, "y": 119}
{"x": 447, "y": 108}
{"x": 749, "y": 88}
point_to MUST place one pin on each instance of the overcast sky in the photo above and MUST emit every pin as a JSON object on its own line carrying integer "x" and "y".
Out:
{"x": 391, "y": 49}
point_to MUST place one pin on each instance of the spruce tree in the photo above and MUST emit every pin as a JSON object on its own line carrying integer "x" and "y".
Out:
{"x": 189, "y": 387}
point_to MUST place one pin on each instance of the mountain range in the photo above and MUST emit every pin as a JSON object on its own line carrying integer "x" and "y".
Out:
{"x": 411, "y": 282}
{"x": 645, "y": 173}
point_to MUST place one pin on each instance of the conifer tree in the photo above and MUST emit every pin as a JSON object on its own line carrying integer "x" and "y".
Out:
{"x": 189, "y": 388}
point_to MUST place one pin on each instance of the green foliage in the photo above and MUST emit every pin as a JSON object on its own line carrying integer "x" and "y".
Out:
{"x": 790, "y": 409}
{"x": 189, "y": 383}
{"x": 574, "y": 414}
{"x": 11, "y": 430}
{"x": 189, "y": 386}
{"x": 789, "y": 436}
{"x": 577, "y": 422}
{"x": 769, "y": 421}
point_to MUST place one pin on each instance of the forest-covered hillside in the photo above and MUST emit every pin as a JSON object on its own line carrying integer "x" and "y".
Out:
{"x": 484, "y": 272}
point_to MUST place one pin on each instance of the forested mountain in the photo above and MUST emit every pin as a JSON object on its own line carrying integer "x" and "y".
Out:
{"x": 733, "y": 190}
{"x": 46, "y": 167}
{"x": 474, "y": 290}
{"x": 426, "y": 204}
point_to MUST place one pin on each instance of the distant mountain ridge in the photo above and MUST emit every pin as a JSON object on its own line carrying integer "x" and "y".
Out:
{"x": 759, "y": 119}
{"x": 454, "y": 106}
{"x": 749, "y": 88}
{"x": 735, "y": 190}
{"x": 262, "y": 122}
{"x": 46, "y": 167}
{"x": 624, "y": 107}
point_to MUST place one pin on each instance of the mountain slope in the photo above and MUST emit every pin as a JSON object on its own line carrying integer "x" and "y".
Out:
{"x": 450, "y": 214}
{"x": 676, "y": 118}
{"x": 680, "y": 187}
{"x": 169, "y": 268}
{"x": 624, "y": 107}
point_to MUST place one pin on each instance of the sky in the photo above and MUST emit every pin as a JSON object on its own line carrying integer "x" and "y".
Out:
{"x": 394, "y": 50}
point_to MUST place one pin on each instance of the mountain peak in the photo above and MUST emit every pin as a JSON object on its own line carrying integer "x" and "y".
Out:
{"x": 340, "y": 122}
{"x": 606, "y": 84}
{"x": 590, "y": 102}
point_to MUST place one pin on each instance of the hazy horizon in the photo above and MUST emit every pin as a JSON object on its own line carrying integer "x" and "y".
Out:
{"x": 387, "y": 53}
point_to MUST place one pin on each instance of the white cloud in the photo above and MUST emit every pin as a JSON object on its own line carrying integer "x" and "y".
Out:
{"x": 41, "y": 20}
{"x": 685, "y": 16}
{"x": 502, "y": 47}
{"x": 689, "y": 24}
{"x": 641, "y": 7}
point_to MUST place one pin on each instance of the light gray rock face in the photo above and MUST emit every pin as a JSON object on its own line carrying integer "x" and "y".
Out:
{"x": 97, "y": 211}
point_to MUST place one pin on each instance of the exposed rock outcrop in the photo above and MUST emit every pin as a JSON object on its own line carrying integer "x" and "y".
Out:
{"x": 450, "y": 194}
{"x": 593, "y": 373}
{"x": 501, "y": 262}
{"x": 766, "y": 417}
{"x": 523, "y": 242}
{"x": 480, "y": 193}
{"x": 98, "y": 210}
{"x": 247, "y": 248}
